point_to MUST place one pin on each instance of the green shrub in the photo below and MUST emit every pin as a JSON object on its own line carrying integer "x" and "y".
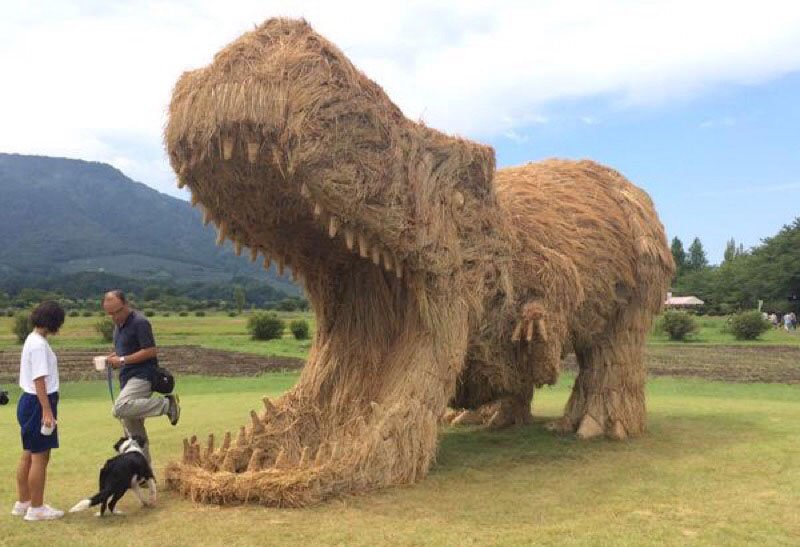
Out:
{"x": 265, "y": 326}
{"x": 105, "y": 328}
{"x": 101, "y": 314}
{"x": 21, "y": 327}
{"x": 9, "y": 312}
{"x": 87, "y": 313}
{"x": 200, "y": 313}
{"x": 149, "y": 313}
{"x": 183, "y": 313}
{"x": 74, "y": 313}
{"x": 299, "y": 328}
{"x": 678, "y": 325}
{"x": 166, "y": 314}
{"x": 232, "y": 314}
{"x": 748, "y": 325}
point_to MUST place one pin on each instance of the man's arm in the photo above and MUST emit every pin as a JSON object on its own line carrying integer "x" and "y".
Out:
{"x": 135, "y": 358}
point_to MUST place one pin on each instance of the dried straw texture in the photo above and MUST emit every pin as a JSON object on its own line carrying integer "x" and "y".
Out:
{"x": 412, "y": 255}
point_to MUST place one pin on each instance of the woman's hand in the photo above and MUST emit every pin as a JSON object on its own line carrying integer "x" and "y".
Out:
{"x": 48, "y": 420}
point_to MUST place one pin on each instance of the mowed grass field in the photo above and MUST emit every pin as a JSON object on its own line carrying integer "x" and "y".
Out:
{"x": 719, "y": 465}
{"x": 216, "y": 331}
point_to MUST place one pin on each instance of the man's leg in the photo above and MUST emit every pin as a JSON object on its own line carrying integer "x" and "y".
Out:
{"x": 134, "y": 405}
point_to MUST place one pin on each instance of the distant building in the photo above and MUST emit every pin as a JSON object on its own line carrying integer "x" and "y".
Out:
{"x": 682, "y": 301}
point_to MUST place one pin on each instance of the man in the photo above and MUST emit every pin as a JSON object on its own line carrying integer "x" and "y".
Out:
{"x": 135, "y": 356}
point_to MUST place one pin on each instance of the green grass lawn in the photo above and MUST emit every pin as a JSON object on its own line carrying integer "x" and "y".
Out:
{"x": 720, "y": 465}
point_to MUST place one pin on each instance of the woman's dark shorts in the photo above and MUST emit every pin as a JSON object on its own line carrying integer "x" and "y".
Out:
{"x": 29, "y": 416}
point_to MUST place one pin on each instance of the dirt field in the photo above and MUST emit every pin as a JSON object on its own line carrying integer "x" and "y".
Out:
{"x": 770, "y": 364}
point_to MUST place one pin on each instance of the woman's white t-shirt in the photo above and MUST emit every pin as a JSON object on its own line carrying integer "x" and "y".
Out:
{"x": 38, "y": 360}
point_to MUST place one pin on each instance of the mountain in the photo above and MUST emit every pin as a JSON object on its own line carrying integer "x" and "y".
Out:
{"x": 62, "y": 216}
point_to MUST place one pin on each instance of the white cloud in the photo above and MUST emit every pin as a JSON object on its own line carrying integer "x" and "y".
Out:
{"x": 92, "y": 79}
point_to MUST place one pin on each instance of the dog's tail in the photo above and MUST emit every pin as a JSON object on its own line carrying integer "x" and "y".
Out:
{"x": 90, "y": 502}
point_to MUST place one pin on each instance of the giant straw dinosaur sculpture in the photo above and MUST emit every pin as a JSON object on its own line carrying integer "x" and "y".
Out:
{"x": 434, "y": 279}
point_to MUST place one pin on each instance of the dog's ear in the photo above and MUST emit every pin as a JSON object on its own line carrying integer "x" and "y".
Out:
{"x": 119, "y": 443}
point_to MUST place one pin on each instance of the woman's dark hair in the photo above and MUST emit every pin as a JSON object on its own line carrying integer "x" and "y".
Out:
{"x": 48, "y": 315}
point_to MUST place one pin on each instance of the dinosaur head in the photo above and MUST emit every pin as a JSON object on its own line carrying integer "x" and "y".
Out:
{"x": 296, "y": 155}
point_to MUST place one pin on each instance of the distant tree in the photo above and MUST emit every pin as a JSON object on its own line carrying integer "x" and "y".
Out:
{"x": 238, "y": 297}
{"x": 678, "y": 255}
{"x": 151, "y": 293}
{"x": 697, "y": 256}
{"x": 732, "y": 252}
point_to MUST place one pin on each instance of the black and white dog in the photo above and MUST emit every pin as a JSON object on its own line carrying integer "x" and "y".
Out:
{"x": 129, "y": 469}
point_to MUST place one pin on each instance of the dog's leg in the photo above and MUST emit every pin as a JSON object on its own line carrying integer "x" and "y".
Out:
{"x": 138, "y": 491}
{"x": 151, "y": 485}
{"x": 113, "y": 503}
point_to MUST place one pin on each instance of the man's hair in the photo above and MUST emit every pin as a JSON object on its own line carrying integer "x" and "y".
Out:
{"x": 48, "y": 315}
{"x": 120, "y": 295}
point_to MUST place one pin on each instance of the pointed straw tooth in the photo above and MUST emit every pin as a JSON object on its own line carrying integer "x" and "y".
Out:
{"x": 541, "y": 329}
{"x": 349, "y": 236}
{"x": 517, "y": 332}
{"x": 529, "y": 333}
{"x": 228, "y": 462}
{"x": 226, "y": 442}
{"x": 387, "y": 261}
{"x": 334, "y": 450}
{"x": 376, "y": 408}
{"x": 193, "y": 440}
{"x": 398, "y": 269}
{"x": 376, "y": 255}
{"x": 258, "y": 427}
{"x": 267, "y": 263}
{"x": 281, "y": 266}
{"x": 193, "y": 199}
{"x": 206, "y": 217}
{"x": 317, "y": 210}
{"x": 281, "y": 460}
{"x": 458, "y": 199}
{"x": 196, "y": 454}
{"x": 269, "y": 408}
{"x": 319, "y": 459}
{"x": 242, "y": 438}
{"x": 304, "y": 456}
{"x": 253, "y": 254}
{"x": 210, "y": 447}
{"x": 363, "y": 245}
{"x": 255, "y": 460}
{"x": 185, "y": 450}
{"x": 237, "y": 247}
{"x": 222, "y": 234}
{"x": 252, "y": 151}
{"x": 227, "y": 148}
{"x": 333, "y": 227}
{"x": 304, "y": 191}
{"x": 181, "y": 182}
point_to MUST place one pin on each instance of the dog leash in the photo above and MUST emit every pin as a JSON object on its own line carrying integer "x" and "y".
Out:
{"x": 110, "y": 381}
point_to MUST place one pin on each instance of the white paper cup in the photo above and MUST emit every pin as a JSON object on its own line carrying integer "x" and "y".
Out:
{"x": 99, "y": 362}
{"x": 45, "y": 430}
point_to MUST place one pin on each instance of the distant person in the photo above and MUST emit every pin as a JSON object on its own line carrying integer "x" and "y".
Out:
{"x": 773, "y": 318}
{"x": 37, "y": 411}
{"x": 794, "y": 320}
{"x": 135, "y": 356}
{"x": 787, "y": 321}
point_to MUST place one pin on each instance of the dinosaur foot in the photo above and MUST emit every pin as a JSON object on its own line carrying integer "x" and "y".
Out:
{"x": 588, "y": 428}
{"x": 497, "y": 414}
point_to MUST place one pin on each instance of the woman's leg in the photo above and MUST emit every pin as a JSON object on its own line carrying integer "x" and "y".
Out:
{"x": 23, "y": 470}
{"x": 37, "y": 476}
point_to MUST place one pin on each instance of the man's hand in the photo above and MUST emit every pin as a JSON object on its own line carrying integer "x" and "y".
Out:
{"x": 113, "y": 360}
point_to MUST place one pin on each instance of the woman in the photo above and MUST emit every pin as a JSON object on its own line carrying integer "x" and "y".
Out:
{"x": 37, "y": 412}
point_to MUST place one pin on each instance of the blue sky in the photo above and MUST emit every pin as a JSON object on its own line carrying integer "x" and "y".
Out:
{"x": 722, "y": 165}
{"x": 693, "y": 100}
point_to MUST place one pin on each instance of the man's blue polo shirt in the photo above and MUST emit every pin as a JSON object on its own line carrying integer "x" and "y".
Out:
{"x": 134, "y": 334}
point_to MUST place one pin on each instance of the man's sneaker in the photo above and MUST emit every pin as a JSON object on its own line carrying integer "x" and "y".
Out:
{"x": 20, "y": 508}
{"x": 45, "y": 512}
{"x": 174, "y": 409}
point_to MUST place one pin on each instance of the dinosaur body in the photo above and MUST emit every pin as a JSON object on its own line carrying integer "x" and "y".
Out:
{"x": 434, "y": 280}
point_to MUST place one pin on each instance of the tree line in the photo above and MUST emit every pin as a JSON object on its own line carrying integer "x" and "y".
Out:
{"x": 769, "y": 272}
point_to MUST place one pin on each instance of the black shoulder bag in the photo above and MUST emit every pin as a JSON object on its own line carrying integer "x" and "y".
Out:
{"x": 162, "y": 381}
